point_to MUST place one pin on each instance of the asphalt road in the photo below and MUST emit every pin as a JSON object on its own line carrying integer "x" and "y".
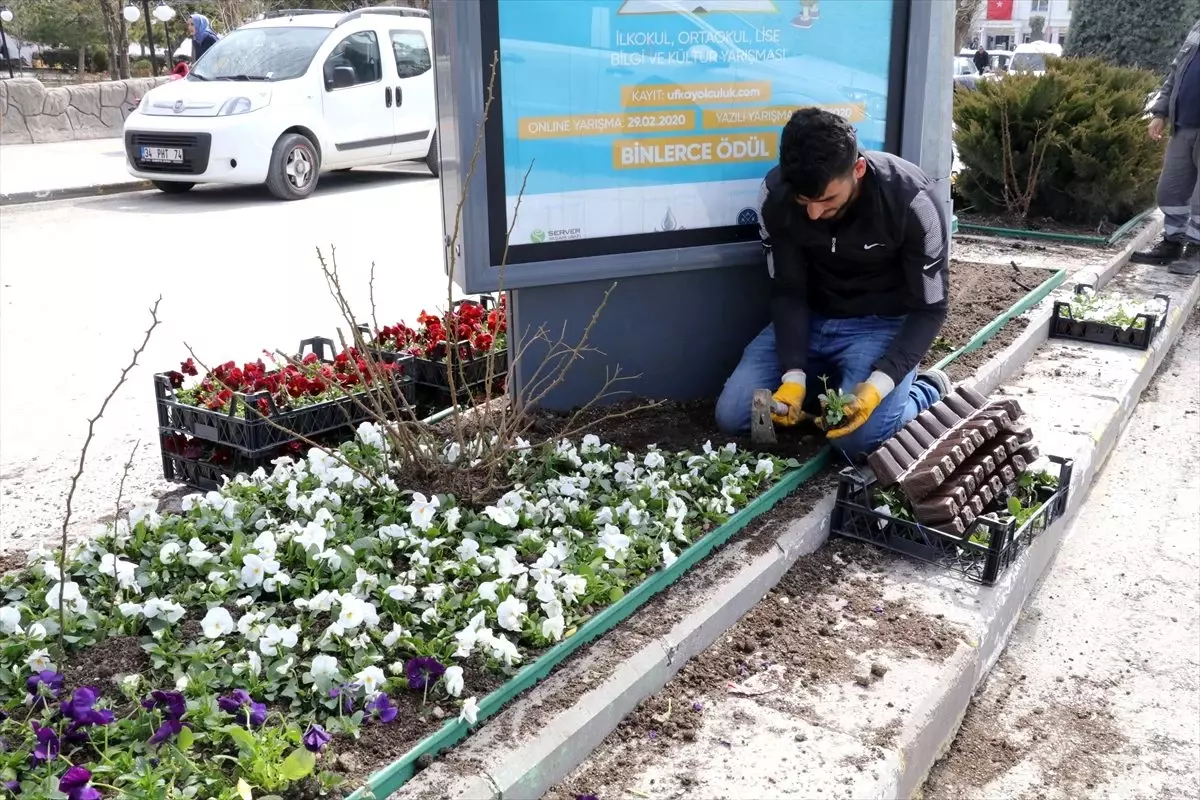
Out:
{"x": 1098, "y": 693}
{"x": 237, "y": 272}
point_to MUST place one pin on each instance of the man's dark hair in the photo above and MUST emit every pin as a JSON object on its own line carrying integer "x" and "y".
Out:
{"x": 816, "y": 147}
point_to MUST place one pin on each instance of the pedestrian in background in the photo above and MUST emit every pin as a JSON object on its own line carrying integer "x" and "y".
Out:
{"x": 1176, "y": 112}
{"x": 982, "y": 59}
{"x": 203, "y": 36}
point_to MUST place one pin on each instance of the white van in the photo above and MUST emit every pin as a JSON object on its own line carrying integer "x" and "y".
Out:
{"x": 283, "y": 99}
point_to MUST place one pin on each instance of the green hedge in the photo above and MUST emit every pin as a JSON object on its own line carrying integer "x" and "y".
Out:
{"x": 1070, "y": 145}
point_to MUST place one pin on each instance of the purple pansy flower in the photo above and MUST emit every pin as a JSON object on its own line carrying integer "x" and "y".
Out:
{"x": 423, "y": 671}
{"x": 53, "y": 681}
{"x": 47, "y": 745}
{"x": 381, "y": 707}
{"x": 75, "y": 783}
{"x": 168, "y": 730}
{"x": 346, "y": 692}
{"x": 586, "y": 797}
{"x": 172, "y": 704}
{"x": 80, "y": 711}
{"x": 315, "y": 738}
{"x": 241, "y": 705}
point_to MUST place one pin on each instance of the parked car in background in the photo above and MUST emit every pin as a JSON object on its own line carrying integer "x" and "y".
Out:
{"x": 283, "y": 99}
{"x": 1031, "y": 57}
{"x": 965, "y": 74}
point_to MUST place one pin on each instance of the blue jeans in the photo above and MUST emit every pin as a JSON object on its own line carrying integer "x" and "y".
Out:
{"x": 843, "y": 350}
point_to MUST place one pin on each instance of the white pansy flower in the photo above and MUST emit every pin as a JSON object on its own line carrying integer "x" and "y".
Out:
{"x": 764, "y": 467}
{"x": 36, "y": 632}
{"x": 393, "y": 636}
{"x": 128, "y": 609}
{"x": 509, "y": 613}
{"x": 145, "y": 511}
{"x": 667, "y": 555}
{"x": 165, "y": 609}
{"x": 654, "y": 460}
{"x": 401, "y": 593}
{"x": 275, "y": 638}
{"x": 572, "y": 586}
{"x": 553, "y": 627}
{"x": 39, "y": 661}
{"x": 332, "y": 558}
{"x": 242, "y": 602}
{"x": 470, "y": 711}
{"x": 451, "y": 518}
{"x": 265, "y": 544}
{"x": 502, "y": 515}
{"x": 487, "y": 591}
{"x": 275, "y": 581}
{"x": 604, "y": 516}
{"x": 614, "y": 543}
{"x": 313, "y": 537}
{"x": 507, "y": 564}
{"x": 355, "y": 612}
{"x": 433, "y": 592}
{"x": 591, "y": 443}
{"x": 430, "y": 615}
{"x": 371, "y": 679}
{"x": 71, "y": 597}
{"x": 217, "y": 622}
{"x": 124, "y": 571}
{"x": 324, "y": 670}
{"x": 10, "y": 620}
{"x": 168, "y": 552}
{"x": 181, "y": 683}
{"x": 370, "y": 434}
{"x": 51, "y": 571}
{"x": 467, "y": 550}
{"x": 453, "y": 679}
{"x": 422, "y": 510}
{"x": 255, "y": 569}
{"x": 544, "y": 589}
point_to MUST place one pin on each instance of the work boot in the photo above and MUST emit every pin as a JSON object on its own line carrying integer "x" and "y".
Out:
{"x": 1162, "y": 253}
{"x": 1189, "y": 264}
{"x": 938, "y": 380}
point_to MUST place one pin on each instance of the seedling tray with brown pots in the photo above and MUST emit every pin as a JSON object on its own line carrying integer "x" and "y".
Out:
{"x": 204, "y": 465}
{"x": 952, "y": 470}
{"x": 1064, "y": 326}
{"x": 243, "y": 428}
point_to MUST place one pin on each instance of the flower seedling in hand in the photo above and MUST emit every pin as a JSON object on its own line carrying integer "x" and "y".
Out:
{"x": 833, "y": 404}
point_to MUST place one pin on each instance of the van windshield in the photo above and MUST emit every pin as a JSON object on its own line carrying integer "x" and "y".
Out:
{"x": 1028, "y": 62}
{"x": 260, "y": 54}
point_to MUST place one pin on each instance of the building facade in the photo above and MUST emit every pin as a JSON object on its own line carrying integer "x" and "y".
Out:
{"x": 1004, "y": 24}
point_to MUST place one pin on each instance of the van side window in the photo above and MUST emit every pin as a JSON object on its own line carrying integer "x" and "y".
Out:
{"x": 412, "y": 53}
{"x": 354, "y": 62}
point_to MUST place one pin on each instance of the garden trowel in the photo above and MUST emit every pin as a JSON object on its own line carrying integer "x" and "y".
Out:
{"x": 762, "y": 430}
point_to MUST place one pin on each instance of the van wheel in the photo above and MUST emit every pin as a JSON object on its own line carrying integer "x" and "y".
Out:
{"x": 294, "y": 167}
{"x": 433, "y": 157}
{"x": 173, "y": 187}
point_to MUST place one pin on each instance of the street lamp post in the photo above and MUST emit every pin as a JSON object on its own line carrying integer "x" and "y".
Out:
{"x": 133, "y": 14}
{"x": 6, "y": 15}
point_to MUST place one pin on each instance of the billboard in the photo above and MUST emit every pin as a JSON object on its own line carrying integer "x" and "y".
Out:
{"x": 646, "y": 124}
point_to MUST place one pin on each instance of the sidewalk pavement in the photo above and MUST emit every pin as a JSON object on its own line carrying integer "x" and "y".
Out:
{"x": 32, "y": 172}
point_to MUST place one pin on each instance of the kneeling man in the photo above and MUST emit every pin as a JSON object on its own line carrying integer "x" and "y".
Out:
{"x": 857, "y": 248}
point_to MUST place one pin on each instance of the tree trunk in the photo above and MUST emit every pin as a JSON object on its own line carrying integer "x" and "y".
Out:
{"x": 123, "y": 44}
{"x": 964, "y": 15}
{"x": 110, "y": 38}
{"x": 82, "y": 62}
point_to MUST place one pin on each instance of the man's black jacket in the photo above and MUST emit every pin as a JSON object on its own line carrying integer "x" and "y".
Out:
{"x": 888, "y": 256}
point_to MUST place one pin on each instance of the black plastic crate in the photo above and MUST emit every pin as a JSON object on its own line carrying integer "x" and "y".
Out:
{"x": 855, "y": 517}
{"x": 1062, "y": 326}
{"x": 243, "y": 427}
{"x": 204, "y": 465}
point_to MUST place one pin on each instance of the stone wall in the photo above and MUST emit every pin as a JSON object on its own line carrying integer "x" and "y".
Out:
{"x": 32, "y": 114}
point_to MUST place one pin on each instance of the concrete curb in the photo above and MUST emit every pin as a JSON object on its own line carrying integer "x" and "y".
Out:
{"x": 73, "y": 192}
{"x": 488, "y": 765}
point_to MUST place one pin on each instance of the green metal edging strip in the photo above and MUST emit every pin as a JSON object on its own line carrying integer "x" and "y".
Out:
{"x": 396, "y": 774}
{"x": 1020, "y": 307}
{"x": 1020, "y": 233}
{"x": 390, "y": 778}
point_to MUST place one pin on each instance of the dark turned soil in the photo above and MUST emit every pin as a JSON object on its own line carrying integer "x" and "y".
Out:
{"x": 1043, "y": 224}
{"x": 12, "y": 561}
{"x": 978, "y": 294}
{"x": 795, "y": 627}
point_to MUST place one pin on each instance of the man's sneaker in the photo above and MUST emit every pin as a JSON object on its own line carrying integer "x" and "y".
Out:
{"x": 938, "y": 380}
{"x": 1162, "y": 253}
{"x": 1189, "y": 264}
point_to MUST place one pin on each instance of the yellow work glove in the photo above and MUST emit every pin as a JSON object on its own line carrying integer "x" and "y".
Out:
{"x": 791, "y": 394}
{"x": 867, "y": 397}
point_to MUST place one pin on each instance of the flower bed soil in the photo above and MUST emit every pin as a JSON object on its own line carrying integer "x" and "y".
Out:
{"x": 979, "y": 293}
{"x": 818, "y": 644}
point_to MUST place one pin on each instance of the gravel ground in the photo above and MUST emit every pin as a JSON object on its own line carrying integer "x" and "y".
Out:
{"x": 1098, "y": 693}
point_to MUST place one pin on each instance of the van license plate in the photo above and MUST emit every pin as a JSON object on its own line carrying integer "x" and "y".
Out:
{"x": 166, "y": 155}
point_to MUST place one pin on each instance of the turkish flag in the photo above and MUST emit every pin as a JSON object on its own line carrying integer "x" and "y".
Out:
{"x": 999, "y": 9}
